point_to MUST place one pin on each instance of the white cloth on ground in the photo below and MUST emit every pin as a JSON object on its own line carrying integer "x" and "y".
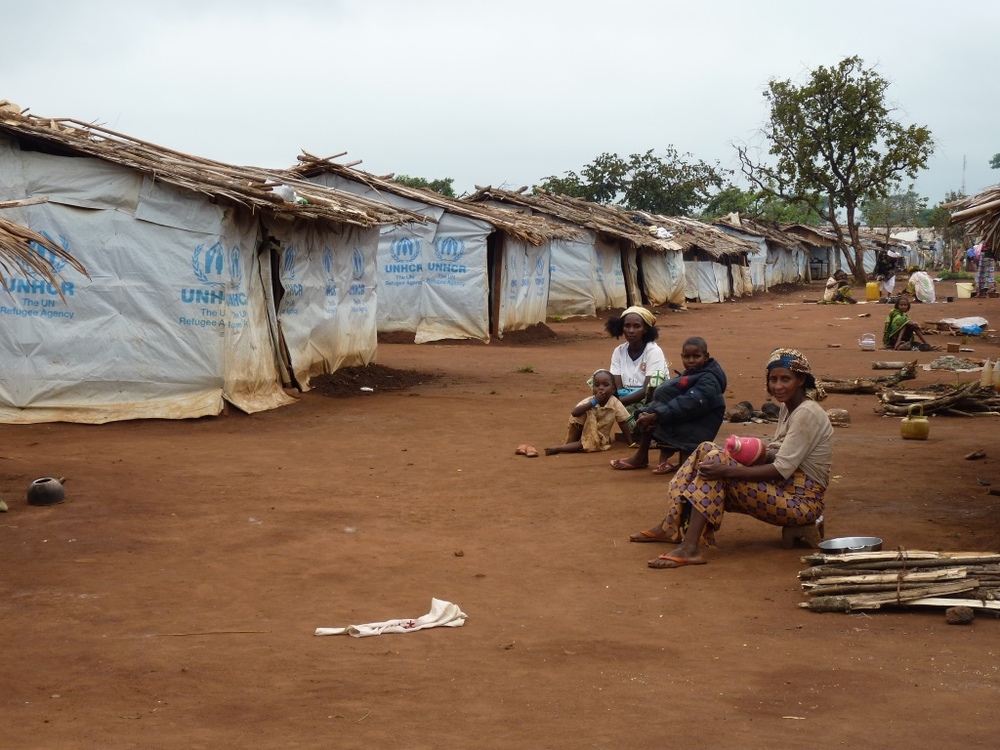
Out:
{"x": 442, "y": 614}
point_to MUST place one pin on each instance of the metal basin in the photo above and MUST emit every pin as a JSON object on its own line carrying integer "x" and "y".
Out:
{"x": 851, "y": 544}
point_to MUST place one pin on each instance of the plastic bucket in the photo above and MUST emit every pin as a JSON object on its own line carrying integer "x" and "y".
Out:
{"x": 871, "y": 291}
{"x": 963, "y": 290}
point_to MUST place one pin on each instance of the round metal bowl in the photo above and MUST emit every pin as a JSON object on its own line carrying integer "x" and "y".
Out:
{"x": 851, "y": 544}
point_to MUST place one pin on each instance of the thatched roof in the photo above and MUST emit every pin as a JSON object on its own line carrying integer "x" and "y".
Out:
{"x": 16, "y": 249}
{"x": 533, "y": 230}
{"x": 980, "y": 214}
{"x": 250, "y": 187}
{"x": 823, "y": 237}
{"x": 770, "y": 231}
{"x": 638, "y": 228}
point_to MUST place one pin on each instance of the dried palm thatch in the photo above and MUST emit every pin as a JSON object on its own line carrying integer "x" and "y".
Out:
{"x": 251, "y": 187}
{"x": 638, "y": 228}
{"x": 980, "y": 214}
{"x": 18, "y": 250}
{"x": 534, "y": 230}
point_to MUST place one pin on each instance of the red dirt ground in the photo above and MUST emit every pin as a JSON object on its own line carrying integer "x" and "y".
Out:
{"x": 170, "y": 602}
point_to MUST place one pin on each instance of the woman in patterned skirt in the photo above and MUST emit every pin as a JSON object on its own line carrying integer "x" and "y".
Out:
{"x": 785, "y": 488}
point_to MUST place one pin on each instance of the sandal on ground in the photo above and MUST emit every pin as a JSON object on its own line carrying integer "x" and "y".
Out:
{"x": 530, "y": 451}
{"x": 623, "y": 464}
{"x": 648, "y": 536}
{"x": 665, "y": 467}
{"x": 672, "y": 561}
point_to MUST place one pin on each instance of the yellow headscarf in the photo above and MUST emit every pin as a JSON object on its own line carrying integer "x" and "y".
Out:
{"x": 647, "y": 317}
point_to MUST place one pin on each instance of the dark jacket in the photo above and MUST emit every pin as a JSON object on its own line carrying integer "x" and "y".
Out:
{"x": 690, "y": 407}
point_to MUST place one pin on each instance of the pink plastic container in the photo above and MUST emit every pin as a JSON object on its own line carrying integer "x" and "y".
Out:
{"x": 746, "y": 450}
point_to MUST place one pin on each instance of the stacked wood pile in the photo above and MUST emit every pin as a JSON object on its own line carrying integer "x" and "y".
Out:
{"x": 968, "y": 400}
{"x": 904, "y": 371}
{"x": 858, "y": 581}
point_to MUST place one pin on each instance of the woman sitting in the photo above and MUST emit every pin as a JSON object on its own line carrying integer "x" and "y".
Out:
{"x": 683, "y": 412}
{"x": 638, "y": 365}
{"x": 786, "y": 488}
{"x": 900, "y": 332}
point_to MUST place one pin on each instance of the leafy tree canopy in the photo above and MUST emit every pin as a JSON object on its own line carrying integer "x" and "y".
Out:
{"x": 835, "y": 144}
{"x": 442, "y": 186}
{"x": 897, "y": 210}
{"x": 758, "y": 205}
{"x": 995, "y": 162}
{"x": 939, "y": 216}
{"x": 672, "y": 184}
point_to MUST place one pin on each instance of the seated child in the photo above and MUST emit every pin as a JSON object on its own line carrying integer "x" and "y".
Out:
{"x": 684, "y": 412}
{"x": 900, "y": 332}
{"x": 593, "y": 419}
{"x": 838, "y": 288}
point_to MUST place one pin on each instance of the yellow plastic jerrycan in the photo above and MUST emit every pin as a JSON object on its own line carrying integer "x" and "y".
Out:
{"x": 871, "y": 291}
{"x": 915, "y": 428}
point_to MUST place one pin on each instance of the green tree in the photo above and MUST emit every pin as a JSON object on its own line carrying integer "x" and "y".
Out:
{"x": 757, "y": 205}
{"x": 442, "y": 186}
{"x": 939, "y": 216}
{"x": 896, "y": 210}
{"x": 835, "y": 144}
{"x": 672, "y": 184}
{"x": 995, "y": 162}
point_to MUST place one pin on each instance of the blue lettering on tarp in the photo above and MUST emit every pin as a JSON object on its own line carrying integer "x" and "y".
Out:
{"x": 446, "y": 267}
{"x": 38, "y": 286}
{"x": 203, "y": 296}
{"x": 356, "y": 290}
{"x": 404, "y": 268}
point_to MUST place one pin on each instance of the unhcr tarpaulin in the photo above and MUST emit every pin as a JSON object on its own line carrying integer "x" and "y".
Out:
{"x": 327, "y": 308}
{"x": 663, "y": 277}
{"x": 524, "y": 285}
{"x": 609, "y": 279}
{"x": 432, "y": 279}
{"x": 571, "y": 277}
{"x": 171, "y": 321}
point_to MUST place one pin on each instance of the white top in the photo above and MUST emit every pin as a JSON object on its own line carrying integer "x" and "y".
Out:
{"x": 634, "y": 372}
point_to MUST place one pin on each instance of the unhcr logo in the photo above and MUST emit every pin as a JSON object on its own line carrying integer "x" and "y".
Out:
{"x": 357, "y": 273}
{"x": 328, "y": 268}
{"x": 288, "y": 259}
{"x": 30, "y": 281}
{"x": 448, "y": 251}
{"x": 211, "y": 268}
{"x": 405, "y": 251}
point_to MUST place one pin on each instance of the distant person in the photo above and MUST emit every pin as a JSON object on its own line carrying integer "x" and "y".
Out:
{"x": 683, "y": 412}
{"x": 838, "y": 288}
{"x": 593, "y": 419}
{"x": 921, "y": 286}
{"x": 902, "y": 333}
{"x": 638, "y": 363}
{"x": 986, "y": 274}
{"x": 886, "y": 266}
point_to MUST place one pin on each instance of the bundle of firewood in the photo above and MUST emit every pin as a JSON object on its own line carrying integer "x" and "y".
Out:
{"x": 870, "y": 580}
{"x": 968, "y": 400}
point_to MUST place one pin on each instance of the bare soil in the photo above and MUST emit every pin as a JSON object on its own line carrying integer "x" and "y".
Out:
{"x": 170, "y": 602}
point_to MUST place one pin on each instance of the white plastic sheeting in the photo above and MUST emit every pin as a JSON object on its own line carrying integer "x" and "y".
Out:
{"x": 432, "y": 279}
{"x": 177, "y": 315}
{"x": 572, "y": 273}
{"x": 327, "y": 308}
{"x": 524, "y": 285}
{"x": 663, "y": 277}
{"x": 705, "y": 281}
{"x": 609, "y": 277}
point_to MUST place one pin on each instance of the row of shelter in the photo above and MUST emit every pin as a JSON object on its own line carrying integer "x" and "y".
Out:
{"x": 180, "y": 284}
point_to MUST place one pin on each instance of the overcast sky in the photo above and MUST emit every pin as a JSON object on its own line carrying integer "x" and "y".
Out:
{"x": 500, "y": 94}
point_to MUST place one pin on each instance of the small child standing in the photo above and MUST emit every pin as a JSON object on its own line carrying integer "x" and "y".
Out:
{"x": 593, "y": 419}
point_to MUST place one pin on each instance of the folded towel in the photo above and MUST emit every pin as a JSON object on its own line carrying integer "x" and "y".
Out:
{"x": 443, "y": 614}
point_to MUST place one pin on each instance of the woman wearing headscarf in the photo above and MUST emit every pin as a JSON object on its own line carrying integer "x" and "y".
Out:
{"x": 900, "y": 332}
{"x": 784, "y": 488}
{"x": 638, "y": 365}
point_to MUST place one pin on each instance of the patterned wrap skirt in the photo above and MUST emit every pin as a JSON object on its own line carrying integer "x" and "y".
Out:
{"x": 796, "y": 501}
